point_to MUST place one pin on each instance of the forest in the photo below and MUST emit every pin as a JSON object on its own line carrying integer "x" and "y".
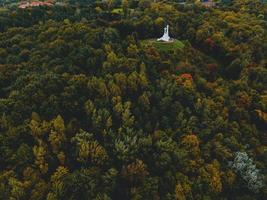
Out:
{"x": 93, "y": 108}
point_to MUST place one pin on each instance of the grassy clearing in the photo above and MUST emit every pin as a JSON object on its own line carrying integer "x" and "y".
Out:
{"x": 164, "y": 46}
{"x": 117, "y": 11}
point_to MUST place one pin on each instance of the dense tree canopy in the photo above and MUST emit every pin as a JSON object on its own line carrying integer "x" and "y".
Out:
{"x": 90, "y": 109}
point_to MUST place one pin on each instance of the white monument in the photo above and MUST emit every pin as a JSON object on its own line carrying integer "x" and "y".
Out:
{"x": 165, "y": 37}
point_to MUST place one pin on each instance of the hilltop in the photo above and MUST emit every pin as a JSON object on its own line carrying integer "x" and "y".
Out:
{"x": 93, "y": 106}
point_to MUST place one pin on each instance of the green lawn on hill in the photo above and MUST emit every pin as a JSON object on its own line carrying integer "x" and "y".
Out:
{"x": 117, "y": 11}
{"x": 164, "y": 46}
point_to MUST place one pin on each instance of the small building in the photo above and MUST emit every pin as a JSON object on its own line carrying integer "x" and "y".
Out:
{"x": 208, "y": 3}
{"x": 24, "y": 5}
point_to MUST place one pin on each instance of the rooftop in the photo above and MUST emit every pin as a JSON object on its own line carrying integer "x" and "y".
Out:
{"x": 24, "y": 5}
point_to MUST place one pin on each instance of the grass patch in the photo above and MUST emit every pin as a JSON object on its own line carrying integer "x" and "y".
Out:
{"x": 117, "y": 11}
{"x": 3, "y": 10}
{"x": 164, "y": 46}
